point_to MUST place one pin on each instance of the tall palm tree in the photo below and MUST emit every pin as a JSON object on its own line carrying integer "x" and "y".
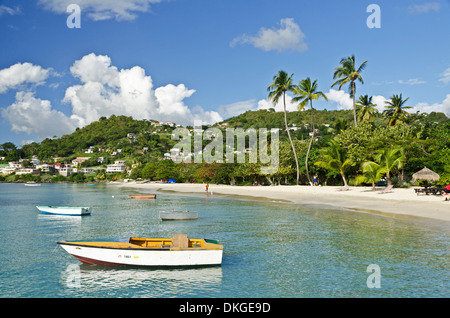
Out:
{"x": 307, "y": 91}
{"x": 395, "y": 109}
{"x": 348, "y": 73}
{"x": 335, "y": 159}
{"x": 282, "y": 83}
{"x": 365, "y": 108}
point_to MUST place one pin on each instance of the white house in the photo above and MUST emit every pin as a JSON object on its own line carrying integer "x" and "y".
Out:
{"x": 27, "y": 171}
{"x": 118, "y": 166}
{"x": 66, "y": 171}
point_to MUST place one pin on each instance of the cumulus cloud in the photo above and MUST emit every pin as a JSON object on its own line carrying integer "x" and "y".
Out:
{"x": 22, "y": 73}
{"x": 35, "y": 116}
{"x": 279, "y": 107}
{"x": 288, "y": 37}
{"x": 341, "y": 98}
{"x": 103, "y": 90}
{"x": 443, "y": 107}
{"x": 380, "y": 101}
{"x": 102, "y": 9}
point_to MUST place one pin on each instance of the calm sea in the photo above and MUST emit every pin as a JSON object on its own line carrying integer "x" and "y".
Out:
{"x": 271, "y": 249}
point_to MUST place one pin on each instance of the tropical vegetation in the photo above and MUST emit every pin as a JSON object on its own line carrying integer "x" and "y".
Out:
{"x": 387, "y": 145}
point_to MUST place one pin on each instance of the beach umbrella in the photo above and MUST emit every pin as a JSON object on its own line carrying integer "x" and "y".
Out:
{"x": 425, "y": 174}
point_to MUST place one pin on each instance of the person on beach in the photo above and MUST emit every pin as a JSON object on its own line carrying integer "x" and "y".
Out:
{"x": 207, "y": 187}
{"x": 447, "y": 192}
{"x": 315, "y": 180}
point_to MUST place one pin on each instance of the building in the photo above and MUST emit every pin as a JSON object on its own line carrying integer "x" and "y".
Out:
{"x": 117, "y": 167}
{"x": 27, "y": 171}
{"x": 66, "y": 171}
{"x": 79, "y": 160}
{"x": 46, "y": 168}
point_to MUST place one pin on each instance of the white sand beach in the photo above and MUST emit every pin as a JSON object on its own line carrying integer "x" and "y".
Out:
{"x": 401, "y": 201}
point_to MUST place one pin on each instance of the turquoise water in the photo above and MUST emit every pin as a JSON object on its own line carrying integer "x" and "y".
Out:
{"x": 271, "y": 249}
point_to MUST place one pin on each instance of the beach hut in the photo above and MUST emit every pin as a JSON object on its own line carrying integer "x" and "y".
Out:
{"x": 425, "y": 174}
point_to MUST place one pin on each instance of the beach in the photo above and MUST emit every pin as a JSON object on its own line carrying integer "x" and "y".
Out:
{"x": 401, "y": 202}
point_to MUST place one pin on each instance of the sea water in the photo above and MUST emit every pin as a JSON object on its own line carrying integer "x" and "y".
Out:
{"x": 271, "y": 249}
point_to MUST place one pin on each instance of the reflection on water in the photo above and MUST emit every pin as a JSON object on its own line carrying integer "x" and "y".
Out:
{"x": 270, "y": 249}
{"x": 141, "y": 282}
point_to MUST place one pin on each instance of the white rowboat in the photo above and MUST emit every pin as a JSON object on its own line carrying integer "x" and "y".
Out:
{"x": 177, "y": 251}
{"x": 64, "y": 210}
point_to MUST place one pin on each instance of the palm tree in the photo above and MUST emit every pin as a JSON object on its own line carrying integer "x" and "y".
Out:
{"x": 395, "y": 109}
{"x": 365, "y": 108}
{"x": 347, "y": 73}
{"x": 306, "y": 91}
{"x": 282, "y": 83}
{"x": 390, "y": 160}
{"x": 335, "y": 159}
{"x": 372, "y": 172}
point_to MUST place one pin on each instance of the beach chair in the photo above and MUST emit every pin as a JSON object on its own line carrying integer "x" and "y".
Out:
{"x": 388, "y": 189}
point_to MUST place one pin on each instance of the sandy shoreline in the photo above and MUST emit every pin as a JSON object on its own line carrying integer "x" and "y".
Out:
{"x": 399, "y": 202}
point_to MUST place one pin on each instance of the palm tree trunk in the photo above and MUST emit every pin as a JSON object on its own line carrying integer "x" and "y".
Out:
{"x": 310, "y": 143}
{"x": 354, "y": 103}
{"x": 343, "y": 177}
{"x": 290, "y": 139}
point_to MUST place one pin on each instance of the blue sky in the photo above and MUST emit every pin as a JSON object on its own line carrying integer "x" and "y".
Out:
{"x": 182, "y": 60}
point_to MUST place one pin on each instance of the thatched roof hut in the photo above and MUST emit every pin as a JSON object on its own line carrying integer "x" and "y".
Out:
{"x": 425, "y": 174}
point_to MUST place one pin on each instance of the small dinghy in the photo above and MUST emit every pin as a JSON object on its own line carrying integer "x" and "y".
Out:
{"x": 177, "y": 215}
{"x": 143, "y": 196}
{"x": 64, "y": 210}
{"x": 175, "y": 251}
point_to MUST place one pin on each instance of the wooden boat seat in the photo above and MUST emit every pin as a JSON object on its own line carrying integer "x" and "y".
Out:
{"x": 180, "y": 241}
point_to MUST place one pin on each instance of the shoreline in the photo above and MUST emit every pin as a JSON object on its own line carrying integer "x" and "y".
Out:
{"x": 400, "y": 202}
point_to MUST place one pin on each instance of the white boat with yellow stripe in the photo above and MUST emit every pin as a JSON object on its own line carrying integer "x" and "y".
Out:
{"x": 158, "y": 252}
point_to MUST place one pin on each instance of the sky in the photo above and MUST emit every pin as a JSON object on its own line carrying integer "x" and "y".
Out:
{"x": 187, "y": 60}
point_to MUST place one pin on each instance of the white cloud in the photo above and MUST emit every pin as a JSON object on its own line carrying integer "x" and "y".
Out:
{"x": 102, "y": 9}
{"x": 424, "y": 8}
{"x": 36, "y": 116}
{"x": 443, "y": 107}
{"x": 18, "y": 74}
{"x": 380, "y": 101}
{"x": 445, "y": 76}
{"x": 10, "y": 11}
{"x": 412, "y": 81}
{"x": 343, "y": 99}
{"x": 279, "y": 107}
{"x": 237, "y": 108}
{"x": 105, "y": 90}
{"x": 287, "y": 37}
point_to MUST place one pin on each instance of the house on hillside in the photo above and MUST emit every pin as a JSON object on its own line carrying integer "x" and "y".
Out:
{"x": 27, "y": 171}
{"x": 118, "y": 166}
{"x": 66, "y": 171}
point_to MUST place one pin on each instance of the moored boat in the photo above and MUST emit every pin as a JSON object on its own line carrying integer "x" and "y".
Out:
{"x": 175, "y": 251}
{"x": 64, "y": 210}
{"x": 178, "y": 215}
{"x": 32, "y": 184}
{"x": 143, "y": 196}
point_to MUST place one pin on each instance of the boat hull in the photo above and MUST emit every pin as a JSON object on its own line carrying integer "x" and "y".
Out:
{"x": 143, "y": 197}
{"x": 148, "y": 257}
{"x": 70, "y": 211}
{"x": 177, "y": 215}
